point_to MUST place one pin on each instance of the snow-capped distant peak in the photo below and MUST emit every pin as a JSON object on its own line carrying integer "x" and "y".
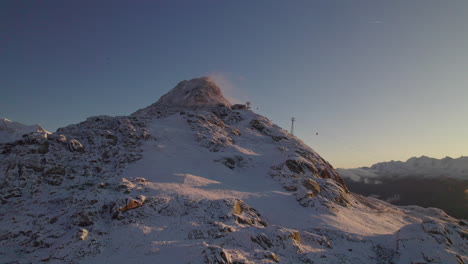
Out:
{"x": 415, "y": 166}
{"x": 11, "y": 131}
{"x": 196, "y": 93}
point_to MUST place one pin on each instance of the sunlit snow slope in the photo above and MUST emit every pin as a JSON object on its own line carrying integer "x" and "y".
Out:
{"x": 197, "y": 182}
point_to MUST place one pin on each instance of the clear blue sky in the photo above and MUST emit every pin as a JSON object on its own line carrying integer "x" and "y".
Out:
{"x": 378, "y": 80}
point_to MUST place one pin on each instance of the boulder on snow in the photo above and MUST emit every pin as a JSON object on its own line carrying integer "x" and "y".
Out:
{"x": 294, "y": 166}
{"x": 294, "y": 235}
{"x": 305, "y": 197}
{"x": 258, "y": 125}
{"x": 82, "y": 234}
{"x": 232, "y": 162}
{"x": 75, "y": 145}
{"x": 216, "y": 255}
{"x": 58, "y": 138}
{"x": 126, "y": 204}
{"x": 244, "y": 214}
{"x": 83, "y": 218}
{"x": 318, "y": 239}
{"x": 291, "y": 188}
{"x": 272, "y": 256}
{"x": 262, "y": 240}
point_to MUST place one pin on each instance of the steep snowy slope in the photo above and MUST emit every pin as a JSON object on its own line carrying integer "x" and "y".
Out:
{"x": 11, "y": 131}
{"x": 196, "y": 182}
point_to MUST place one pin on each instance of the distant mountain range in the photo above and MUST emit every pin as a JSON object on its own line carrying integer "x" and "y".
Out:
{"x": 11, "y": 131}
{"x": 423, "y": 181}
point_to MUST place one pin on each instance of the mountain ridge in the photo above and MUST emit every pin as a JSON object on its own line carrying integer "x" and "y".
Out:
{"x": 199, "y": 182}
{"x": 441, "y": 183}
{"x": 416, "y": 166}
{"x": 11, "y": 130}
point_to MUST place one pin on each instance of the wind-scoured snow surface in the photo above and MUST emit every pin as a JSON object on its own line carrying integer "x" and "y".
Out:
{"x": 11, "y": 131}
{"x": 422, "y": 166}
{"x": 198, "y": 182}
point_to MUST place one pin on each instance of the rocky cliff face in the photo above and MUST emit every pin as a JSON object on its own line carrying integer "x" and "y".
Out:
{"x": 189, "y": 180}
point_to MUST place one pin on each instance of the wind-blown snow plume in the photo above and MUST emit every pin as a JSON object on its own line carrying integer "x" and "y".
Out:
{"x": 230, "y": 89}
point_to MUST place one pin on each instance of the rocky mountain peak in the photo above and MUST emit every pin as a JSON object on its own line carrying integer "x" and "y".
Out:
{"x": 214, "y": 183}
{"x": 196, "y": 93}
{"x": 11, "y": 130}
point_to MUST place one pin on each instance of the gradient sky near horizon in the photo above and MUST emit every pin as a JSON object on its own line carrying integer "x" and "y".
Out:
{"x": 377, "y": 80}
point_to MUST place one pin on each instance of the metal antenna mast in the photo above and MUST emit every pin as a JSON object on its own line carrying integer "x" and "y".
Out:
{"x": 292, "y": 125}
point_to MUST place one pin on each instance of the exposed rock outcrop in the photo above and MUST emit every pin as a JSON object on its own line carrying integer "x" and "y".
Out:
{"x": 190, "y": 175}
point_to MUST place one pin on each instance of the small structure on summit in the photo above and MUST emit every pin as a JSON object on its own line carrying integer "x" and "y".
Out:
{"x": 245, "y": 106}
{"x": 292, "y": 125}
{"x": 239, "y": 107}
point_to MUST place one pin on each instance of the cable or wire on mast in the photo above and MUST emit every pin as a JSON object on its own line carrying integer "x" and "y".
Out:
{"x": 292, "y": 125}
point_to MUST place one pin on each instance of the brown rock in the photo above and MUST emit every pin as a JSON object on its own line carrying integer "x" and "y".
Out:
{"x": 131, "y": 204}
{"x": 296, "y": 236}
{"x": 236, "y": 209}
{"x": 311, "y": 185}
{"x": 272, "y": 256}
{"x": 294, "y": 166}
{"x": 127, "y": 204}
{"x": 75, "y": 145}
{"x": 82, "y": 234}
{"x": 290, "y": 188}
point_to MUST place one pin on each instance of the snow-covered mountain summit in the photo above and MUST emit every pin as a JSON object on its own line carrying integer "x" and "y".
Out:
{"x": 191, "y": 180}
{"x": 197, "y": 93}
{"x": 11, "y": 131}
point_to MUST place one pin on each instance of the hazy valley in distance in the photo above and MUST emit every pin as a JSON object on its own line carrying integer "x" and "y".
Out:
{"x": 423, "y": 181}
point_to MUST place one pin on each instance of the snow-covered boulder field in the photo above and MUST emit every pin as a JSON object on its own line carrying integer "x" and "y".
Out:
{"x": 190, "y": 180}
